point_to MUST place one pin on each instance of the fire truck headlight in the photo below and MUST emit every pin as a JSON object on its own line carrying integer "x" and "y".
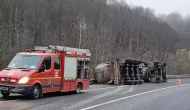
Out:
{"x": 23, "y": 80}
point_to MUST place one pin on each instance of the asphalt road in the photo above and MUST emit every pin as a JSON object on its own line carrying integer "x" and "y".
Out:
{"x": 163, "y": 96}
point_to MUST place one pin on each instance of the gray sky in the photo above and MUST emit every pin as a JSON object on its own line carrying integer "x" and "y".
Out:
{"x": 164, "y": 6}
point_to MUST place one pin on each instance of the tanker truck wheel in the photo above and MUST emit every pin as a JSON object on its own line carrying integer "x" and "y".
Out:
{"x": 136, "y": 82}
{"x": 158, "y": 80}
{"x": 165, "y": 80}
{"x": 141, "y": 81}
{"x": 79, "y": 88}
{"x": 129, "y": 82}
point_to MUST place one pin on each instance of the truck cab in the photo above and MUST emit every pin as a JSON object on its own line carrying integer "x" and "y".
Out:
{"x": 46, "y": 69}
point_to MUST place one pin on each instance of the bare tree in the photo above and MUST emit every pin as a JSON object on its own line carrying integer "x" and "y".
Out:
{"x": 109, "y": 28}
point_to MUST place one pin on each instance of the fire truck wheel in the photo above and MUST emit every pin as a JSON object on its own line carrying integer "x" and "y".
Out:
{"x": 158, "y": 81}
{"x": 5, "y": 93}
{"x": 79, "y": 87}
{"x": 35, "y": 92}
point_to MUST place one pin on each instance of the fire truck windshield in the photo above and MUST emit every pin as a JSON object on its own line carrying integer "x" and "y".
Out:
{"x": 25, "y": 62}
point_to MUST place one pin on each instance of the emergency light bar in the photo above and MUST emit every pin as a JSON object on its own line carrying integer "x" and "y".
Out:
{"x": 69, "y": 50}
{"x": 71, "y": 53}
{"x": 68, "y": 53}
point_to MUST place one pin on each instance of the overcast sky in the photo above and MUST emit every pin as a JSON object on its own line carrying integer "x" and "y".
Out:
{"x": 164, "y": 6}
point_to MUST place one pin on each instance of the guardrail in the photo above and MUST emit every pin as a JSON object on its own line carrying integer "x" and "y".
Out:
{"x": 178, "y": 76}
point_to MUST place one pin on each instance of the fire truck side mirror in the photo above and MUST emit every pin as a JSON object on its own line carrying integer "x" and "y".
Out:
{"x": 42, "y": 68}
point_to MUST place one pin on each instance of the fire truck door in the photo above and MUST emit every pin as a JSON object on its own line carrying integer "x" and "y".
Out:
{"x": 47, "y": 74}
{"x": 70, "y": 74}
{"x": 56, "y": 77}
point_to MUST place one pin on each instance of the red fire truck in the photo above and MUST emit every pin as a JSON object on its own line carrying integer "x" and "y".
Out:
{"x": 46, "y": 69}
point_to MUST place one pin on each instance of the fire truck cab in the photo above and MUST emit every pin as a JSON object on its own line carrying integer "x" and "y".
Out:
{"x": 46, "y": 69}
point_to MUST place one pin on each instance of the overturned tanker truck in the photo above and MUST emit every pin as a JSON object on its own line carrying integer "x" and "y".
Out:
{"x": 129, "y": 72}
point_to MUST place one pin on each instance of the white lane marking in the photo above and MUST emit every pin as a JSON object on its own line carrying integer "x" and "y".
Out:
{"x": 130, "y": 90}
{"x": 104, "y": 88}
{"x": 171, "y": 81}
{"x": 119, "y": 88}
{"x": 131, "y": 97}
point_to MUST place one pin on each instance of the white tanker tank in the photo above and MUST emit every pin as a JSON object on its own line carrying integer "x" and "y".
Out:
{"x": 101, "y": 73}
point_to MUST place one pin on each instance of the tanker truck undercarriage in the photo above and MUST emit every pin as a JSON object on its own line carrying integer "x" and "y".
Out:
{"x": 130, "y": 73}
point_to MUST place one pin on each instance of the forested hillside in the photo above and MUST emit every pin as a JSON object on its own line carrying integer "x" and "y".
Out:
{"x": 109, "y": 29}
{"x": 181, "y": 24}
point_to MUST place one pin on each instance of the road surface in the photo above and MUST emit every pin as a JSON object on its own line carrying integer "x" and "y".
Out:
{"x": 149, "y": 96}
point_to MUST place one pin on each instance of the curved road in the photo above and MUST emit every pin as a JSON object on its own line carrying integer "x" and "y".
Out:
{"x": 170, "y": 98}
{"x": 164, "y": 96}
